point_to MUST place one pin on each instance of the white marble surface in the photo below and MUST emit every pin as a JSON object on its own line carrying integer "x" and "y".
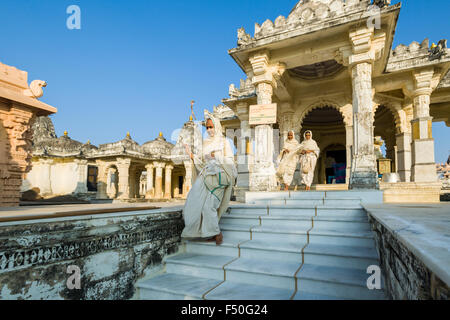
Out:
{"x": 423, "y": 228}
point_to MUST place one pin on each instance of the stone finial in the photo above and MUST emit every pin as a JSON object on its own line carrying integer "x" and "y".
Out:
{"x": 438, "y": 50}
{"x": 88, "y": 142}
{"x": 243, "y": 37}
{"x": 35, "y": 90}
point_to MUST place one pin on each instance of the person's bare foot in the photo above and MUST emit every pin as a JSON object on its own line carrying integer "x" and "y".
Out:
{"x": 219, "y": 239}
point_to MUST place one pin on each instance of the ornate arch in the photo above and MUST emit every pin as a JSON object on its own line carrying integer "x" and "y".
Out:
{"x": 400, "y": 118}
{"x": 344, "y": 109}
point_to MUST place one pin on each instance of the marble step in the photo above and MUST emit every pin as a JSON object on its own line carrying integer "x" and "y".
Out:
{"x": 264, "y": 272}
{"x": 244, "y": 291}
{"x": 339, "y": 282}
{"x": 236, "y": 231}
{"x": 172, "y": 286}
{"x": 233, "y": 218}
{"x": 272, "y": 250}
{"x": 340, "y": 224}
{"x": 369, "y": 196}
{"x": 229, "y": 247}
{"x": 198, "y": 265}
{"x": 299, "y": 211}
{"x": 340, "y": 256}
{"x": 343, "y": 237}
{"x": 280, "y": 233}
{"x": 251, "y": 197}
{"x": 311, "y": 202}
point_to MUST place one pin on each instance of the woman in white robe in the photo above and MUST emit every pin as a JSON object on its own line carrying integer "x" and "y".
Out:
{"x": 211, "y": 192}
{"x": 288, "y": 160}
{"x": 309, "y": 153}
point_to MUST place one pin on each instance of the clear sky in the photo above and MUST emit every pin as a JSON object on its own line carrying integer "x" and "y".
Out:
{"x": 136, "y": 65}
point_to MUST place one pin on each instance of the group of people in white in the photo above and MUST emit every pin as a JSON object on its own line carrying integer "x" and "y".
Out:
{"x": 210, "y": 194}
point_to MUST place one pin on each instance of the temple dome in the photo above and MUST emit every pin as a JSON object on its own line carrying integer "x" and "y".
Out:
{"x": 159, "y": 146}
{"x": 62, "y": 146}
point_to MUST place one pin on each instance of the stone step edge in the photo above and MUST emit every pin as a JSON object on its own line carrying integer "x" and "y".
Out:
{"x": 290, "y": 206}
{"x": 288, "y": 250}
{"x": 321, "y": 232}
{"x": 362, "y": 219}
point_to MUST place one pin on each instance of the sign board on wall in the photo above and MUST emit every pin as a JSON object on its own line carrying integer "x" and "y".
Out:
{"x": 263, "y": 114}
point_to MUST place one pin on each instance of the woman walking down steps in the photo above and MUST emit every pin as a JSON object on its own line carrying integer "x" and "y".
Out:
{"x": 210, "y": 195}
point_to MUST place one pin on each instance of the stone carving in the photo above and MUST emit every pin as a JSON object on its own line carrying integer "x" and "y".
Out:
{"x": 243, "y": 37}
{"x": 43, "y": 129}
{"x": 439, "y": 50}
{"x": 223, "y": 112}
{"x": 20, "y": 258}
{"x": 381, "y": 3}
{"x": 413, "y": 48}
{"x": 307, "y": 12}
{"x": 245, "y": 90}
{"x": 35, "y": 90}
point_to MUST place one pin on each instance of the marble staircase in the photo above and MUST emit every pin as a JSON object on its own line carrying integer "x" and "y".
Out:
{"x": 278, "y": 246}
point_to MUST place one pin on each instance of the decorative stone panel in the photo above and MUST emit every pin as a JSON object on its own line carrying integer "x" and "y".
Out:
{"x": 111, "y": 250}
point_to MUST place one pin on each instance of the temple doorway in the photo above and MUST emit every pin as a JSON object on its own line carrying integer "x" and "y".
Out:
{"x": 327, "y": 126}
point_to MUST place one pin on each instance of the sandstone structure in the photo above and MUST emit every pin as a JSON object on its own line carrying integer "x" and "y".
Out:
{"x": 19, "y": 105}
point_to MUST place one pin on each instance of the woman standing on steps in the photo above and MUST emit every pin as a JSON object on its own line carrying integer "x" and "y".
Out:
{"x": 211, "y": 192}
{"x": 309, "y": 153}
{"x": 288, "y": 160}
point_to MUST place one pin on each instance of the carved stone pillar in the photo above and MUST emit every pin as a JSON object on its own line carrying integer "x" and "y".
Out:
{"x": 364, "y": 171}
{"x": 263, "y": 176}
{"x": 403, "y": 141}
{"x": 45, "y": 185}
{"x": 150, "y": 190}
{"x": 168, "y": 182}
{"x": 349, "y": 150}
{"x": 244, "y": 152}
{"x": 102, "y": 182}
{"x": 111, "y": 188}
{"x": 286, "y": 122}
{"x": 82, "y": 176}
{"x": 158, "y": 180}
{"x": 123, "y": 166}
{"x": 422, "y": 146}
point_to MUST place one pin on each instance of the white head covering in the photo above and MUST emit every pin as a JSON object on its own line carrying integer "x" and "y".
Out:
{"x": 216, "y": 122}
{"x": 310, "y": 144}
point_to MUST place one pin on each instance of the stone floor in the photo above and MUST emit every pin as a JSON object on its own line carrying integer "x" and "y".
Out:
{"x": 29, "y": 212}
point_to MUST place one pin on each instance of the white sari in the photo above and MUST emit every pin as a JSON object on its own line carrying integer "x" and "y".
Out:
{"x": 308, "y": 161}
{"x": 211, "y": 192}
{"x": 288, "y": 161}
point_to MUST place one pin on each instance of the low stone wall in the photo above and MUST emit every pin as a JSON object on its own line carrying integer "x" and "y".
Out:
{"x": 406, "y": 276}
{"x": 112, "y": 251}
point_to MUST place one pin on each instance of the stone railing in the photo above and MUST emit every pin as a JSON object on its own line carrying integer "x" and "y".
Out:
{"x": 407, "y": 277}
{"x": 111, "y": 251}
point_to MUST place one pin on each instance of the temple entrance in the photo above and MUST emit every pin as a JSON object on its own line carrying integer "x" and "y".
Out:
{"x": 327, "y": 126}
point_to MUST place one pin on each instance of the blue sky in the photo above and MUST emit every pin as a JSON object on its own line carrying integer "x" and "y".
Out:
{"x": 136, "y": 65}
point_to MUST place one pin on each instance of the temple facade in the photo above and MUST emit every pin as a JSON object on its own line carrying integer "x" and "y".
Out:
{"x": 120, "y": 170}
{"x": 329, "y": 67}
